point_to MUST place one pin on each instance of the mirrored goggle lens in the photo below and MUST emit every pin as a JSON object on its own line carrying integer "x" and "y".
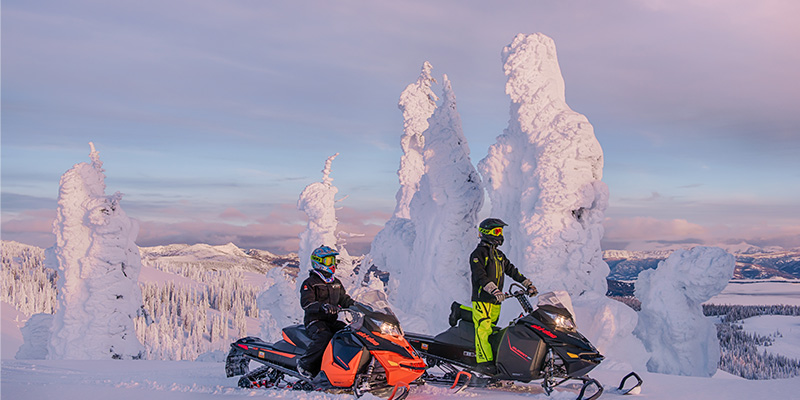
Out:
{"x": 326, "y": 261}
{"x": 494, "y": 231}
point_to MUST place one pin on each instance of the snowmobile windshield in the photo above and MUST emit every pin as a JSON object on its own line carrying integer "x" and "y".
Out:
{"x": 376, "y": 314}
{"x": 375, "y": 302}
{"x": 557, "y": 299}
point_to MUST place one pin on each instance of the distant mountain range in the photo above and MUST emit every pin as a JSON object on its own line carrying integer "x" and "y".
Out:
{"x": 227, "y": 256}
{"x": 751, "y": 262}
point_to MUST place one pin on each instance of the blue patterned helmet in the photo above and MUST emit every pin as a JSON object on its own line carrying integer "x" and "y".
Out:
{"x": 323, "y": 258}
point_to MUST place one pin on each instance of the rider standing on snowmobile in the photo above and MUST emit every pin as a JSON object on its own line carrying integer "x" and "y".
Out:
{"x": 321, "y": 295}
{"x": 489, "y": 265}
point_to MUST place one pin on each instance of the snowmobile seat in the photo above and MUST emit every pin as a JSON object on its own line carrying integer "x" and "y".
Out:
{"x": 462, "y": 335}
{"x": 294, "y": 337}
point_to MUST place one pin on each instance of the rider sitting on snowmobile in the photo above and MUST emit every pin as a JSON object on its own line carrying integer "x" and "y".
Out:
{"x": 321, "y": 295}
{"x": 489, "y": 265}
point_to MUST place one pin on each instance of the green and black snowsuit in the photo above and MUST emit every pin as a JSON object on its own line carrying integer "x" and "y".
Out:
{"x": 488, "y": 264}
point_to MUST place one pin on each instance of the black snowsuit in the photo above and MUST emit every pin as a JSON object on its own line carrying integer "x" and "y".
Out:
{"x": 489, "y": 264}
{"x": 320, "y": 326}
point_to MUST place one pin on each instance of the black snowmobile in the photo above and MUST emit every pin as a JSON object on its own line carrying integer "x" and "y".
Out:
{"x": 369, "y": 355}
{"x": 543, "y": 343}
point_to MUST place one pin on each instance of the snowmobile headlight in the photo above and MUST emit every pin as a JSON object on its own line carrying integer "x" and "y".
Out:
{"x": 389, "y": 329}
{"x": 561, "y": 321}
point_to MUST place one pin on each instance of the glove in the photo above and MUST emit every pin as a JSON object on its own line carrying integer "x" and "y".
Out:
{"x": 492, "y": 289}
{"x": 531, "y": 289}
{"x": 330, "y": 309}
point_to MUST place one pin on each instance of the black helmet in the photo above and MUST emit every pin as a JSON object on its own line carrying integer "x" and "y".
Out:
{"x": 489, "y": 232}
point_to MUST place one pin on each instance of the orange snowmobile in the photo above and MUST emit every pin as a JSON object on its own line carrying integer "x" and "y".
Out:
{"x": 369, "y": 355}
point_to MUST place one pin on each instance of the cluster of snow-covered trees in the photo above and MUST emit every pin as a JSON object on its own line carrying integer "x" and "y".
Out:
{"x": 24, "y": 280}
{"x": 741, "y": 356}
{"x": 225, "y": 290}
{"x": 732, "y": 313}
{"x": 180, "y": 321}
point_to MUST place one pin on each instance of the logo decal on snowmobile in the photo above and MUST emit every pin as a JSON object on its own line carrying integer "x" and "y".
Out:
{"x": 517, "y": 351}
{"x": 368, "y": 338}
{"x": 261, "y": 354}
{"x": 469, "y": 353}
{"x": 545, "y": 331}
{"x": 424, "y": 346}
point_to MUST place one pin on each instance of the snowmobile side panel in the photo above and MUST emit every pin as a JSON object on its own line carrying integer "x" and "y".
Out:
{"x": 520, "y": 354}
{"x": 343, "y": 358}
{"x": 428, "y": 345}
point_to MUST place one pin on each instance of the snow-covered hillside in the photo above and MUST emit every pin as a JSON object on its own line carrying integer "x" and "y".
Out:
{"x": 227, "y": 256}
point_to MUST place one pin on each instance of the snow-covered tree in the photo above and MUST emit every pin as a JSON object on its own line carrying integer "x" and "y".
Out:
{"x": 391, "y": 248}
{"x": 679, "y": 338}
{"x": 98, "y": 265}
{"x": 543, "y": 177}
{"x": 444, "y": 212}
{"x": 318, "y": 202}
{"x": 417, "y": 102}
{"x": 279, "y": 303}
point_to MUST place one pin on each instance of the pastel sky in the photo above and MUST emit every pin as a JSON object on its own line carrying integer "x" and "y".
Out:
{"x": 212, "y": 116}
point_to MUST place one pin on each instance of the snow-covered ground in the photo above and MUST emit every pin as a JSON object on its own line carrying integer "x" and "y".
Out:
{"x": 171, "y": 380}
{"x": 154, "y": 380}
{"x": 749, "y": 293}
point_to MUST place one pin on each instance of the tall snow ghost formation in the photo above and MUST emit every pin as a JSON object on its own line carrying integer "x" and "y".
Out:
{"x": 391, "y": 248}
{"x": 425, "y": 245}
{"x": 678, "y": 337}
{"x": 318, "y": 202}
{"x": 279, "y": 303}
{"x": 418, "y": 102}
{"x": 98, "y": 265}
{"x": 543, "y": 177}
{"x": 444, "y": 212}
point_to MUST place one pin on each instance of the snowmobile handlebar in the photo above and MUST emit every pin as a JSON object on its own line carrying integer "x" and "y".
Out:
{"x": 521, "y": 296}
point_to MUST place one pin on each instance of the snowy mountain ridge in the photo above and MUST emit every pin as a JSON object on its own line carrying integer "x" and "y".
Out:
{"x": 625, "y": 265}
{"x": 228, "y": 256}
{"x": 752, "y": 262}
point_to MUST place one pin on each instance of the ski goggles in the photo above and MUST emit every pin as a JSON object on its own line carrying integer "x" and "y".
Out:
{"x": 496, "y": 231}
{"x": 326, "y": 261}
